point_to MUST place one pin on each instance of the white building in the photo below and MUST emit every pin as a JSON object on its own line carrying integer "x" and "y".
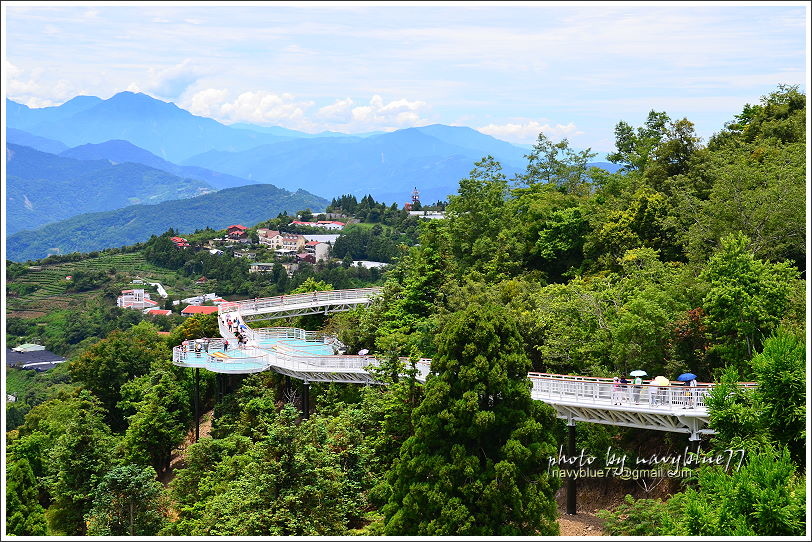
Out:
{"x": 135, "y": 299}
{"x": 368, "y": 264}
{"x": 321, "y": 251}
{"x": 330, "y": 239}
{"x": 198, "y": 299}
{"x": 428, "y": 214}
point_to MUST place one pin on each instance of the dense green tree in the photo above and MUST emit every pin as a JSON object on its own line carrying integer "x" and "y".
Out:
{"x": 80, "y": 458}
{"x": 161, "y": 410}
{"x": 24, "y": 514}
{"x": 764, "y": 497}
{"x": 476, "y": 213}
{"x": 475, "y": 463}
{"x": 634, "y": 150}
{"x": 126, "y": 502}
{"x": 746, "y": 298}
{"x": 299, "y": 479}
{"x": 780, "y": 371}
{"x": 772, "y": 414}
{"x": 559, "y": 165}
{"x": 105, "y": 366}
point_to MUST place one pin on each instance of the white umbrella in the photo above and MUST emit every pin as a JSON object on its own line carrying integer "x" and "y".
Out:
{"x": 363, "y": 352}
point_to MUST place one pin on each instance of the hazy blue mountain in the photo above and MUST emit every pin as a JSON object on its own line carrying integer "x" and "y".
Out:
{"x": 29, "y": 119}
{"x": 469, "y": 138}
{"x": 246, "y": 205}
{"x": 159, "y": 127}
{"x": 608, "y": 166}
{"x": 388, "y": 166}
{"x": 284, "y": 132}
{"x": 21, "y": 137}
{"x": 118, "y": 150}
{"x": 42, "y": 188}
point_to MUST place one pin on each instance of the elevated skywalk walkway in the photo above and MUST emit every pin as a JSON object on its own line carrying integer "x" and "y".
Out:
{"x": 316, "y": 357}
{"x": 287, "y": 306}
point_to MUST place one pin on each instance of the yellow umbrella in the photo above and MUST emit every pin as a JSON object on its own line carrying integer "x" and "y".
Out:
{"x": 661, "y": 381}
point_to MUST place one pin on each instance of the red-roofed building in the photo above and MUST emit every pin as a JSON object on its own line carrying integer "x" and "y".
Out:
{"x": 330, "y": 224}
{"x": 201, "y": 280}
{"x": 198, "y": 309}
{"x": 158, "y": 312}
{"x": 237, "y": 232}
{"x": 180, "y": 242}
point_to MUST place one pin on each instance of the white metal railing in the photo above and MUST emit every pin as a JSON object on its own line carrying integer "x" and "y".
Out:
{"x": 213, "y": 351}
{"x": 604, "y": 390}
{"x": 285, "y": 301}
{"x": 295, "y": 361}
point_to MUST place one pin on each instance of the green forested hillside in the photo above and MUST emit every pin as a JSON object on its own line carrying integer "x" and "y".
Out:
{"x": 43, "y": 188}
{"x": 690, "y": 258}
{"x": 95, "y": 231}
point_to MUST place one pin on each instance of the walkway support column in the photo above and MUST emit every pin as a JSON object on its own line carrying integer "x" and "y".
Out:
{"x": 306, "y": 400}
{"x": 197, "y": 403}
{"x": 571, "y": 479}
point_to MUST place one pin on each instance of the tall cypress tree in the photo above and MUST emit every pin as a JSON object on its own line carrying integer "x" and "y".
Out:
{"x": 476, "y": 464}
{"x": 24, "y": 514}
{"x": 80, "y": 458}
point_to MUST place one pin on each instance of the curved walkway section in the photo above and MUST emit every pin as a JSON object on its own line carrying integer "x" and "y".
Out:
{"x": 317, "y": 357}
{"x": 286, "y": 306}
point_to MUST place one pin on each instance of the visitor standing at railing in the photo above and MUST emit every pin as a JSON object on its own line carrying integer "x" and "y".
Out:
{"x": 638, "y": 384}
{"x": 692, "y": 393}
{"x": 624, "y": 389}
{"x": 616, "y": 391}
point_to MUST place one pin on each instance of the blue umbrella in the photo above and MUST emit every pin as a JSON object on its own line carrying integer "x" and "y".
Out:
{"x": 685, "y": 377}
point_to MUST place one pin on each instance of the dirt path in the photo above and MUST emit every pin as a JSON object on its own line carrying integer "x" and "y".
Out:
{"x": 581, "y": 524}
{"x": 179, "y": 454}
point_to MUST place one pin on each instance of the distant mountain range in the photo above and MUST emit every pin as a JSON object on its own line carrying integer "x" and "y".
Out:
{"x": 433, "y": 158}
{"x": 42, "y": 188}
{"x": 98, "y": 155}
{"x": 159, "y": 127}
{"x": 246, "y": 205}
{"x": 119, "y": 151}
{"x": 386, "y": 165}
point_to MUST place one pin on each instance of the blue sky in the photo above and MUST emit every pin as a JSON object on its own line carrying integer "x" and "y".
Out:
{"x": 509, "y": 70}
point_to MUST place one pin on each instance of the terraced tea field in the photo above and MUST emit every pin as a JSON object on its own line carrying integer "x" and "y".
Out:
{"x": 45, "y": 287}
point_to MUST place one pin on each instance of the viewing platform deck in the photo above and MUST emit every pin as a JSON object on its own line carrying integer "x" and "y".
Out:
{"x": 317, "y": 357}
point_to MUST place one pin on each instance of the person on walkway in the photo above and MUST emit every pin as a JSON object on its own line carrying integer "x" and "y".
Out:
{"x": 616, "y": 391}
{"x": 206, "y": 346}
{"x": 638, "y": 385}
{"x": 225, "y": 345}
{"x": 624, "y": 389}
{"x": 692, "y": 393}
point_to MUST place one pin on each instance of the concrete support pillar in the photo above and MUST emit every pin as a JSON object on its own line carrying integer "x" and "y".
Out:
{"x": 571, "y": 503}
{"x": 306, "y": 399}
{"x": 197, "y": 404}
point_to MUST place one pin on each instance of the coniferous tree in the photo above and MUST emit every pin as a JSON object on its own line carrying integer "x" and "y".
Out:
{"x": 80, "y": 458}
{"x": 476, "y": 463}
{"x": 24, "y": 514}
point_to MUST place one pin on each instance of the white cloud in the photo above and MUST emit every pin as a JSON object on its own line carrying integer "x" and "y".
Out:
{"x": 256, "y": 107}
{"x": 207, "y": 103}
{"x": 340, "y": 111}
{"x": 527, "y": 132}
{"x": 387, "y": 116}
{"x": 171, "y": 82}
{"x": 285, "y": 109}
{"x": 12, "y": 70}
{"x": 28, "y": 87}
